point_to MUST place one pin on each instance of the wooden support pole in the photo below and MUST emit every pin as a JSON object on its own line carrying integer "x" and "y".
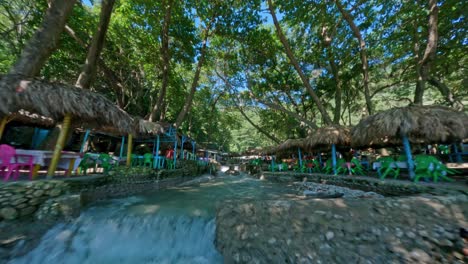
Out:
{"x": 406, "y": 145}
{"x": 3, "y": 125}
{"x": 129, "y": 150}
{"x": 334, "y": 158}
{"x": 157, "y": 154}
{"x": 300, "y": 157}
{"x": 85, "y": 141}
{"x": 175, "y": 153}
{"x": 122, "y": 145}
{"x": 59, "y": 145}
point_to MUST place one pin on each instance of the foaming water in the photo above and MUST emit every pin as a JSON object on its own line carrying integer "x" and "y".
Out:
{"x": 171, "y": 226}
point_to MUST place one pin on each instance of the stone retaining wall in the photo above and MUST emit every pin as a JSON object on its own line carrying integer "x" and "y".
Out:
{"x": 114, "y": 190}
{"x": 22, "y": 199}
{"x": 19, "y": 199}
{"x": 386, "y": 187}
{"x": 388, "y": 230}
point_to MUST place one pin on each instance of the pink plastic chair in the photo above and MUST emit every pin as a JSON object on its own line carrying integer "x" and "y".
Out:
{"x": 7, "y": 167}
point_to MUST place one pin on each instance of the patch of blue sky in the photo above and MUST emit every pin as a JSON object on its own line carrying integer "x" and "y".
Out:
{"x": 87, "y": 2}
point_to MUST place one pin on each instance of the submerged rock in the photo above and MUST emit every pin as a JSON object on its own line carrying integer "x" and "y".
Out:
{"x": 8, "y": 213}
{"x": 322, "y": 195}
{"x": 310, "y": 189}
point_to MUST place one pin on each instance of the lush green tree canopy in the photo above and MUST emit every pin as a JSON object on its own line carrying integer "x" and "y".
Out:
{"x": 242, "y": 81}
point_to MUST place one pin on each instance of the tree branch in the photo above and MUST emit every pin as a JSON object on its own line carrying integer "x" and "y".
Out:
{"x": 295, "y": 64}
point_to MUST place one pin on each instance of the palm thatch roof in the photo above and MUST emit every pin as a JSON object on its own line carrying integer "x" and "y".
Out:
{"x": 150, "y": 128}
{"x": 291, "y": 145}
{"x": 25, "y": 117}
{"x": 54, "y": 100}
{"x": 326, "y": 136}
{"x": 268, "y": 150}
{"x": 428, "y": 124}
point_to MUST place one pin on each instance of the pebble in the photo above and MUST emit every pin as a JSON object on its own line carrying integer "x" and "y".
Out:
{"x": 445, "y": 243}
{"x": 329, "y": 235}
{"x": 411, "y": 235}
{"x": 423, "y": 233}
{"x": 420, "y": 256}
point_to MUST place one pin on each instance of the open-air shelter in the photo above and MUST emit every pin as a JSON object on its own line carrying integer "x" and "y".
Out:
{"x": 411, "y": 124}
{"x": 60, "y": 102}
{"x": 329, "y": 137}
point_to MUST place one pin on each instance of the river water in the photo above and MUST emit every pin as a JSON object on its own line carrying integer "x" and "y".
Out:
{"x": 170, "y": 226}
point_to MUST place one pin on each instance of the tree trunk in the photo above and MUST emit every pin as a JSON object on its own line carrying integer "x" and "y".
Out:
{"x": 261, "y": 130}
{"x": 165, "y": 61}
{"x": 336, "y": 76}
{"x": 45, "y": 40}
{"x": 424, "y": 64}
{"x": 272, "y": 104}
{"x": 289, "y": 113}
{"x": 196, "y": 77}
{"x": 292, "y": 59}
{"x": 111, "y": 78}
{"x": 88, "y": 72}
{"x": 446, "y": 92}
{"x": 363, "y": 54}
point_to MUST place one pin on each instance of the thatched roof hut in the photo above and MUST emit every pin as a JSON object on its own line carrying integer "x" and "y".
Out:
{"x": 291, "y": 145}
{"x": 55, "y": 100}
{"x": 150, "y": 128}
{"x": 25, "y": 117}
{"x": 421, "y": 124}
{"x": 325, "y": 137}
{"x": 268, "y": 150}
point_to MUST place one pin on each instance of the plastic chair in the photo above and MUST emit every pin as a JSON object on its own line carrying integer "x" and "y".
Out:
{"x": 86, "y": 163}
{"x": 430, "y": 167}
{"x": 273, "y": 167}
{"x": 283, "y": 167}
{"x": 105, "y": 162}
{"x": 387, "y": 167}
{"x": 148, "y": 160}
{"x": 342, "y": 167}
{"x": 328, "y": 168}
{"x": 7, "y": 167}
{"x": 170, "y": 164}
{"x": 317, "y": 167}
{"x": 402, "y": 158}
{"x": 356, "y": 167}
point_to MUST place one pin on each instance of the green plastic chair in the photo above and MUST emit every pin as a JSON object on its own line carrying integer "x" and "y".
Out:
{"x": 256, "y": 162}
{"x": 328, "y": 168}
{"x": 298, "y": 168}
{"x": 148, "y": 160}
{"x": 342, "y": 167}
{"x": 356, "y": 167}
{"x": 170, "y": 164}
{"x": 444, "y": 149}
{"x": 283, "y": 167}
{"x": 402, "y": 158}
{"x": 86, "y": 163}
{"x": 272, "y": 167}
{"x": 429, "y": 167}
{"x": 388, "y": 167}
{"x": 317, "y": 166}
{"x": 105, "y": 162}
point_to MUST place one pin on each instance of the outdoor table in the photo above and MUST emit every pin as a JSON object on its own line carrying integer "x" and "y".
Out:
{"x": 399, "y": 164}
{"x": 68, "y": 160}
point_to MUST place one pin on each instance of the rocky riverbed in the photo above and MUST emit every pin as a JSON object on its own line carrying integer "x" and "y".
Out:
{"x": 311, "y": 189}
{"x": 385, "y": 230}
